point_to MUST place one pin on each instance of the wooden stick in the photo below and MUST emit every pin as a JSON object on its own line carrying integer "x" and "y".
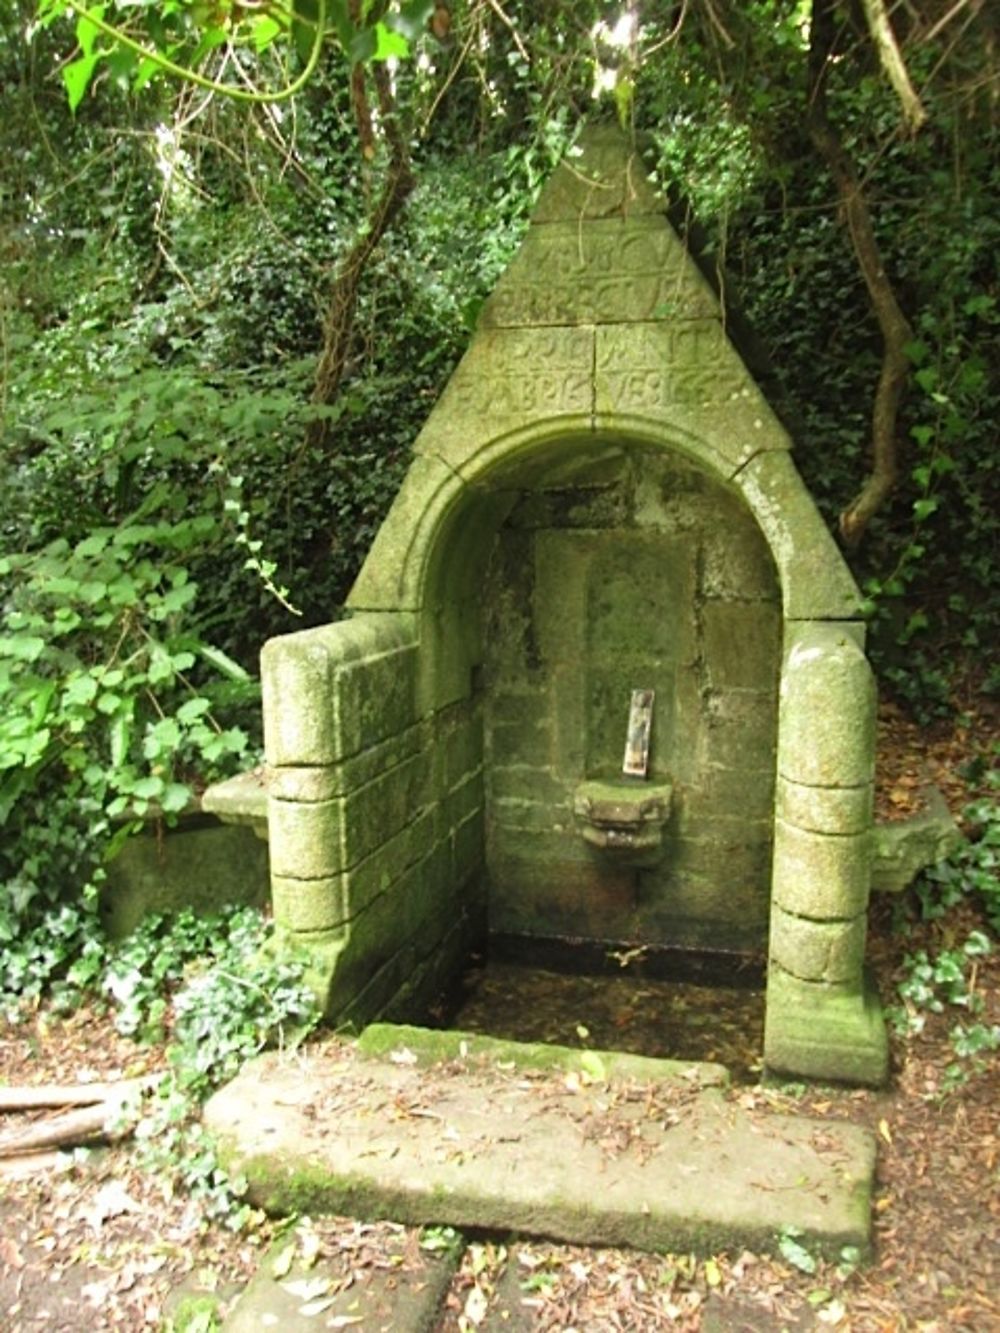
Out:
{"x": 82, "y": 1125}
{"x": 75, "y": 1094}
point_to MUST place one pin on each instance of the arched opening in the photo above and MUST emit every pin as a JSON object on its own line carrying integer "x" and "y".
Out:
{"x": 629, "y": 568}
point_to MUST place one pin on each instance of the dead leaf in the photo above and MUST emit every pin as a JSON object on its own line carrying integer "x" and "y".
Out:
{"x": 283, "y": 1262}
{"x": 308, "y": 1288}
{"x": 316, "y": 1307}
{"x": 111, "y": 1200}
{"x": 476, "y": 1306}
{"x": 10, "y": 1255}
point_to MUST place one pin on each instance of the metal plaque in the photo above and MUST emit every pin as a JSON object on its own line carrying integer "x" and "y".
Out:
{"x": 640, "y": 725}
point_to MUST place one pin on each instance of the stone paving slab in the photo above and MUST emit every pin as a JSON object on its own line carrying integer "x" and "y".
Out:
{"x": 285, "y": 1295}
{"x": 477, "y": 1142}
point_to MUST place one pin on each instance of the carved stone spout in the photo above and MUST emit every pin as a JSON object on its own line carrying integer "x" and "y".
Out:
{"x": 624, "y": 820}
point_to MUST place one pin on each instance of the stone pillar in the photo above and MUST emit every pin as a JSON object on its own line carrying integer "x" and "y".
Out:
{"x": 821, "y": 1021}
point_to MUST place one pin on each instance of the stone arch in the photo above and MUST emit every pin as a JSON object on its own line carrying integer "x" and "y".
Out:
{"x": 373, "y": 726}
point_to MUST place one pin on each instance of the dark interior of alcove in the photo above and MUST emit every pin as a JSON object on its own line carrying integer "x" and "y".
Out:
{"x": 588, "y": 994}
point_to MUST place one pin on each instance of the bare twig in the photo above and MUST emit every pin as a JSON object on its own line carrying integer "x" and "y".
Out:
{"x": 513, "y": 31}
{"x": 892, "y": 62}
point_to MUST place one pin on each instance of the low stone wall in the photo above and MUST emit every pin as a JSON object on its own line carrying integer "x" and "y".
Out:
{"x": 199, "y": 863}
{"x": 375, "y": 814}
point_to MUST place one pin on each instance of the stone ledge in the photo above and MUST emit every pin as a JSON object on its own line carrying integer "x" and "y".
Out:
{"x": 240, "y": 800}
{"x": 903, "y": 848}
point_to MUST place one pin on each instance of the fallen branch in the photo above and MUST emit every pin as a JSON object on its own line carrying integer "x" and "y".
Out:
{"x": 69, "y": 1129}
{"x": 75, "y": 1094}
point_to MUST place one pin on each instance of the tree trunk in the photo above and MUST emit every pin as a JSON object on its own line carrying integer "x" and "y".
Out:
{"x": 338, "y": 325}
{"x": 893, "y": 324}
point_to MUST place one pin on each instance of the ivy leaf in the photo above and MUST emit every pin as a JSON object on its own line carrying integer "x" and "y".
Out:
{"x": 264, "y": 29}
{"x": 175, "y": 797}
{"x": 146, "y": 789}
{"x": 389, "y": 45}
{"x": 87, "y": 30}
{"x": 76, "y": 78}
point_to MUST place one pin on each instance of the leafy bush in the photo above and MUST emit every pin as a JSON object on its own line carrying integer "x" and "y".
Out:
{"x": 974, "y": 870}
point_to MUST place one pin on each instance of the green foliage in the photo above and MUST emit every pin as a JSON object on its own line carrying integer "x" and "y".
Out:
{"x": 792, "y": 1250}
{"x": 224, "y": 1000}
{"x": 974, "y": 870}
{"x": 932, "y": 984}
{"x": 205, "y": 985}
{"x": 193, "y": 42}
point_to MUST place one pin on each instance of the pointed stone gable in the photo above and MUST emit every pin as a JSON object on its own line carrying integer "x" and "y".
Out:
{"x": 602, "y": 312}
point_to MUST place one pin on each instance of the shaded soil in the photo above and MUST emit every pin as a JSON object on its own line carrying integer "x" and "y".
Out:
{"x": 672, "y": 1020}
{"x": 96, "y": 1243}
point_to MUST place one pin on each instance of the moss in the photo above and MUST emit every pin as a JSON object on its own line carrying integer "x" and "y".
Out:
{"x": 195, "y": 1314}
{"x": 432, "y": 1046}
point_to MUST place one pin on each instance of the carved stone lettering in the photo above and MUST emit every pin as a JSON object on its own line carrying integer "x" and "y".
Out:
{"x": 599, "y": 272}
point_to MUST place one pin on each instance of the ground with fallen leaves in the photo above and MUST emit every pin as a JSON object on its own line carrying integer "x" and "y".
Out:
{"x": 92, "y": 1241}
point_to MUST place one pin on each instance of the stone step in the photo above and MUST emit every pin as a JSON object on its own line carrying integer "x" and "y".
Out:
{"x": 404, "y": 1292}
{"x": 482, "y": 1139}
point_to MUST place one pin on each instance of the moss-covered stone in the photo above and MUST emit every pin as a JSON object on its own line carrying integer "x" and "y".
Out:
{"x": 201, "y": 864}
{"x": 697, "y": 1172}
{"x": 823, "y": 1030}
{"x": 815, "y": 582}
{"x": 826, "y": 735}
{"x": 906, "y": 847}
{"x": 837, "y": 810}
{"x": 323, "y": 689}
{"x": 432, "y": 1046}
{"x": 831, "y": 951}
{"x": 821, "y": 875}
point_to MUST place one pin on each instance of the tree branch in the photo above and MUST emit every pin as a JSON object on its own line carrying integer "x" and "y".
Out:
{"x": 338, "y": 324}
{"x": 892, "y": 62}
{"x": 893, "y": 324}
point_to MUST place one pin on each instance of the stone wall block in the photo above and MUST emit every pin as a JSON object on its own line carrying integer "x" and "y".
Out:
{"x": 826, "y": 728}
{"x": 463, "y": 749}
{"x": 306, "y": 838}
{"x": 825, "y": 809}
{"x": 741, "y": 644}
{"x": 374, "y": 699}
{"x": 744, "y": 793}
{"x": 304, "y": 783}
{"x": 739, "y": 730}
{"x": 831, "y": 951}
{"x": 309, "y": 904}
{"x": 821, "y": 875}
{"x": 468, "y": 849}
{"x": 313, "y": 719}
{"x": 375, "y": 812}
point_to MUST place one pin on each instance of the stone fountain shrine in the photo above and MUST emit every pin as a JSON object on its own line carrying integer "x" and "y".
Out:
{"x": 602, "y": 543}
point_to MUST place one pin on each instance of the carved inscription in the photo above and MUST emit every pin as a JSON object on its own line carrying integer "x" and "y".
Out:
{"x": 528, "y": 373}
{"x": 643, "y": 369}
{"x": 599, "y": 273}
